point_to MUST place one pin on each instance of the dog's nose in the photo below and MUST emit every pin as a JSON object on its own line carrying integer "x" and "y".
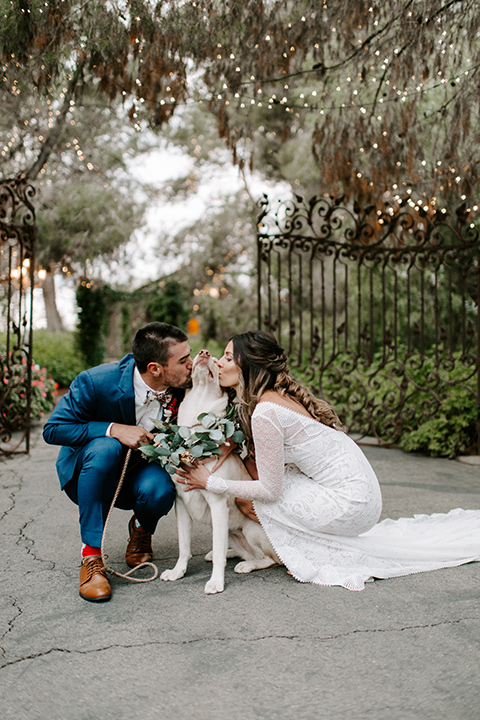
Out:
{"x": 204, "y": 353}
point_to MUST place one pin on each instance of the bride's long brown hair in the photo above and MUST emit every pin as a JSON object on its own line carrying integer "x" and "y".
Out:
{"x": 263, "y": 366}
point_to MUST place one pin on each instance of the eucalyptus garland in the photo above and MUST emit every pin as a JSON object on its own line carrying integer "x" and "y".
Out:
{"x": 177, "y": 444}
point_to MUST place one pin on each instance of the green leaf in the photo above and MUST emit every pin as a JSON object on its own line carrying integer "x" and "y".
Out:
{"x": 202, "y": 435}
{"x": 238, "y": 436}
{"x": 161, "y": 451}
{"x": 159, "y": 437}
{"x": 208, "y": 420}
{"x": 184, "y": 432}
{"x": 148, "y": 450}
{"x": 217, "y": 435}
{"x": 197, "y": 451}
{"x": 210, "y": 445}
{"x": 229, "y": 428}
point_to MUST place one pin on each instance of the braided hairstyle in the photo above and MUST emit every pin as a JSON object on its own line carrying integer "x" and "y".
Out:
{"x": 263, "y": 366}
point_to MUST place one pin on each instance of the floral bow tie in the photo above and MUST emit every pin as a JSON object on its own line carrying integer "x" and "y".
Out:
{"x": 163, "y": 397}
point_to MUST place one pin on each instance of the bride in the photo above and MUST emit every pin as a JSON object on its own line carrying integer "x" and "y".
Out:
{"x": 317, "y": 496}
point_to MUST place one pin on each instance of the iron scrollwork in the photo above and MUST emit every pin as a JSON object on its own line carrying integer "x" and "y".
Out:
{"x": 17, "y": 260}
{"x": 379, "y": 309}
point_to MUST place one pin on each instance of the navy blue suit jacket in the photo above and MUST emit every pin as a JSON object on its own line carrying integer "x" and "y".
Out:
{"x": 97, "y": 397}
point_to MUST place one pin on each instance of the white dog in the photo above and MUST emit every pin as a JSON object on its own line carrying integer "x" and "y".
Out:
{"x": 230, "y": 527}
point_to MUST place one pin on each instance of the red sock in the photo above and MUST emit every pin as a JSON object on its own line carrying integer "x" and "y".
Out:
{"x": 136, "y": 524}
{"x": 88, "y": 550}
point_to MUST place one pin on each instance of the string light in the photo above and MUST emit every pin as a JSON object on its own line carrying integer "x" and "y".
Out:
{"x": 360, "y": 101}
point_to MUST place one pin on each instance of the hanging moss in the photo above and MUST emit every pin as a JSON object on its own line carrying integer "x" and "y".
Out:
{"x": 168, "y": 305}
{"x": 94, "y": 304}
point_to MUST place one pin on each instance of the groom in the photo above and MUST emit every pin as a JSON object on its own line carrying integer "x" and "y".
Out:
{"x": 108, "y": 409}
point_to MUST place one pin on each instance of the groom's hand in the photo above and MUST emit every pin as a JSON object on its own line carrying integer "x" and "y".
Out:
{"x": 131, "y": 435}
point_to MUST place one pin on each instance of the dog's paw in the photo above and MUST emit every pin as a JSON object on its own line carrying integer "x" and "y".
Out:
{"x": 171, "y": 575}
{"x": 230, "y": 554}
{"x": 214, "y": 586}
{"x": 245, "y": 566}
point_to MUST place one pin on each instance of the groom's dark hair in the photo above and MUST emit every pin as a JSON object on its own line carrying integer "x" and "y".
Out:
{"x": 152, "y": 343}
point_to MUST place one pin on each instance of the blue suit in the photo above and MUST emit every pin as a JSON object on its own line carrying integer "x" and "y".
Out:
{"x": 89, "y": 462}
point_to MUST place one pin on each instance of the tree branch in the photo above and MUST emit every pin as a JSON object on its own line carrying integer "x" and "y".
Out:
{"x": 52, "y": 138}
{"x": 245, "y": 184}
{"x": 320, "y": 67}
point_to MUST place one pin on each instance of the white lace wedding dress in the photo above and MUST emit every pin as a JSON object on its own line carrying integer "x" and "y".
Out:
{"x": 318, "y": 500}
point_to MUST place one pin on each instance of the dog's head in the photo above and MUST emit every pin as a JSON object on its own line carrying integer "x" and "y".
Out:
{"x": 205, "y": 395}
{"x": 205, "y": 370}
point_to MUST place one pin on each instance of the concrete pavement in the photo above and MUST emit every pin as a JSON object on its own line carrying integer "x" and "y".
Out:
{"x": 268, "y": 647}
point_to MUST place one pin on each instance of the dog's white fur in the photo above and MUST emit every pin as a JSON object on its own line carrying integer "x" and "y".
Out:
{"x": 230, "y": 527}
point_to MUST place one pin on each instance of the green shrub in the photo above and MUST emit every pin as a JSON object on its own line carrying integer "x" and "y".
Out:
{"x": 452, "y": 428}
{"x": 410, "y": 402}
{"x": 57, "y": 352}
{"x": 13, "y": 396}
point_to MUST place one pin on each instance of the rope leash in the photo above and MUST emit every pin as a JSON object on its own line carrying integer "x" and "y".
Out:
{"x": 126, "y": 575}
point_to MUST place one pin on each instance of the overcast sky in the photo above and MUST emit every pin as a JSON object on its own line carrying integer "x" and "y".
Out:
{"x": 158, "y": 167}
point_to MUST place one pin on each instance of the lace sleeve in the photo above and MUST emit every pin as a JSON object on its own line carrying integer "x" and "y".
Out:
{"x": 268, "y": 439}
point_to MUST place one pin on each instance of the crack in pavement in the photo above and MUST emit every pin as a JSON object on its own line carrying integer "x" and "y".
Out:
{"x": 234, "y": 638}
{"x": 28, "y": 542}
{"x": 12, "y": 498}
{"x": 11, "y": 623}
{"x": 22, "y": 537}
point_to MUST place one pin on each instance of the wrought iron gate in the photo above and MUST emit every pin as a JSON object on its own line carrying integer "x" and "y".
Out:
{"x": 378, "y": 310}
{"x": 17, "y": 241}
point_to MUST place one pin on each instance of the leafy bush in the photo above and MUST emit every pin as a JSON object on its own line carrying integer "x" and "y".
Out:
{"x": 13, "y": 393}
{"x": 57, "y": 353}
{"x": 452, "y": 428}
{"x": 411, "y": 402}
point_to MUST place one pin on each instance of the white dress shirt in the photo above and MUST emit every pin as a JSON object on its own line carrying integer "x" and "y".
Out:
{"x": 144, "y": 412}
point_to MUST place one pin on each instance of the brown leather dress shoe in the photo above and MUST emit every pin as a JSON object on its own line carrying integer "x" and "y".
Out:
{"x": 94, "y": 585}
{"x": 139, "y": 548}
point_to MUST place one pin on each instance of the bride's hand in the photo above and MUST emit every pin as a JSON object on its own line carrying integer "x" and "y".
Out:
{"x": 194, "y": 478}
